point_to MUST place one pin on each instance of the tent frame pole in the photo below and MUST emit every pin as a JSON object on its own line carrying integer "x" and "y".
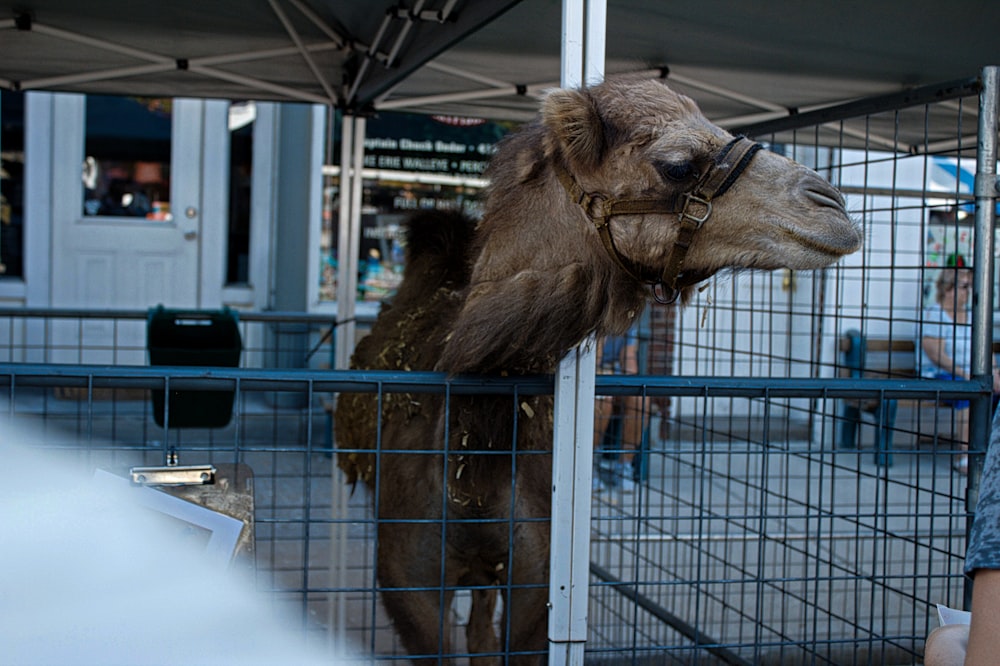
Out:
{"x": 583, "y": 47}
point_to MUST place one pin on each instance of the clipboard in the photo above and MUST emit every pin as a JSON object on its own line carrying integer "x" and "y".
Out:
{"x": 212, "y": 505}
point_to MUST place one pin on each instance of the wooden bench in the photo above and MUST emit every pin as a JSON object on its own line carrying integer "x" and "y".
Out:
{"x": 898, "y": 359}
{"x": 884, "y": 358}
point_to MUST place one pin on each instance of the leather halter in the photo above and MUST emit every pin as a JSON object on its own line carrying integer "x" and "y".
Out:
{"x": 693, "y": 208}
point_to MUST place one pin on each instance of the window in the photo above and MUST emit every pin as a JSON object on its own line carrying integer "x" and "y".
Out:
{"x": 126, "y": 171}
{"x": 11, "y": 183}
{"x": 242, "y": 119}
{"x": 412, "y": 162}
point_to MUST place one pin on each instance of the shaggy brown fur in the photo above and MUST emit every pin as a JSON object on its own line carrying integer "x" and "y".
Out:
{"x": 512, "y": 296}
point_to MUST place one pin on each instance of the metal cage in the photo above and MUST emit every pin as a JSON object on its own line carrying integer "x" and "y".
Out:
{"x": 757, "y": 532}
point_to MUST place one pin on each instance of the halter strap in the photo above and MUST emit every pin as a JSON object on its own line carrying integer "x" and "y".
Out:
{"x": 693, "y": 207}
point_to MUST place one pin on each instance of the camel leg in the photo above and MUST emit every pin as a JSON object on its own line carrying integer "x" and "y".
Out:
{"x": 527, "y": 614}
{"x": 419, "y": 616}
{"x": 526, "y": 602}
{"x": 480, "y": 633}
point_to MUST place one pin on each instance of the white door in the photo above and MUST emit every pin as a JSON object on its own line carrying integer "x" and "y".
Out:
{"x": 135, "y": 262}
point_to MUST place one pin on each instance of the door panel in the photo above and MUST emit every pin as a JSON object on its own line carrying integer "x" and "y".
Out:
{"x": 132, "y": 263}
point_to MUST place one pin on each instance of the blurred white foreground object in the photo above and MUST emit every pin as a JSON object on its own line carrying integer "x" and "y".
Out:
{"x": 87, "y": 576}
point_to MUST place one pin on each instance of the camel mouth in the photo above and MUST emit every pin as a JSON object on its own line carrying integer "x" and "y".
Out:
{"x": 802, "y": 245}
{"x": 822, "y": 234}
{"x": 829, "y": 242}
{"x": 808, "y": 248}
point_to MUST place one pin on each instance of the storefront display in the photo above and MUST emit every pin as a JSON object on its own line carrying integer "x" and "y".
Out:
{"x": 412, "y": 163}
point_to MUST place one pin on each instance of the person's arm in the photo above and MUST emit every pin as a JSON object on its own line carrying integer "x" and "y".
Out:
{"x": 982, "y": 559}
{"x": 947, "y": 645}
{"x": 630, "y": 362}
{"x": 996, "y": 376}
{"x": 984, "y": 632}
{"x": 935, "y": 350}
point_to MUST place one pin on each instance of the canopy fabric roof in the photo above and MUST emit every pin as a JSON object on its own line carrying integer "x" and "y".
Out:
{"x": 743, "y": 62}
{"x": 343, "y": 53}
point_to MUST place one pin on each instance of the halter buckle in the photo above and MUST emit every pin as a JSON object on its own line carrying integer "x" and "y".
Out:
{"x": 685, "y": 214}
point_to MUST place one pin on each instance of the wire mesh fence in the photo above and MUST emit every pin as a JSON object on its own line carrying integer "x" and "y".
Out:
{"x": 742, "y": 549}
{"x": 751, "y": 526}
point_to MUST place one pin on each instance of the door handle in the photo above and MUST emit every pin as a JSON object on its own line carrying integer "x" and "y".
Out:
{"x": 190, "y": 235}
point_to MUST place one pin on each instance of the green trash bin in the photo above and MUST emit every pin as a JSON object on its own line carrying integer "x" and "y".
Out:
{"x": 204, "y": 338}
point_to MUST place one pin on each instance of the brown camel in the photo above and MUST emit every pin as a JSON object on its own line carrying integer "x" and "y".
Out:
{"x": 614, "y": 188}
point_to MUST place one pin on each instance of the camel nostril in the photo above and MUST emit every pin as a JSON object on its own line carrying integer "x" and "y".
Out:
{"x": 820, "y": 192}
{"x": 825, "y": 197}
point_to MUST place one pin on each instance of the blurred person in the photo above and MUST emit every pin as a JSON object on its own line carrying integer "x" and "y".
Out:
{"x": 978, "y": 643}
{"x": 946, "y": 345}
{"x": 619, "y": 354}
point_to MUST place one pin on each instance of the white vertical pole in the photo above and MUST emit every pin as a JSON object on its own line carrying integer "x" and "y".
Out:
{"x": 348, "y": 234}
{"x": 572, "y": 471}
{"x": 348, "y": 244}
{"x": 357, "y": 189}
{"x": 573, "y": 440}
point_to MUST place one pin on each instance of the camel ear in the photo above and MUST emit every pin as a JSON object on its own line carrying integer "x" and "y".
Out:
{"x": 573, "y": 118}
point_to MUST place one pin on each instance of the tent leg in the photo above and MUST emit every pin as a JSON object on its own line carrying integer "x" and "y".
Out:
{"x": 584, "y": 27}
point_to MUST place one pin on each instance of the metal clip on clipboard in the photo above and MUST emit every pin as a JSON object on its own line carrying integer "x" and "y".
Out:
{"x": 227, "y": 489}
{"x": 173, "y": 475}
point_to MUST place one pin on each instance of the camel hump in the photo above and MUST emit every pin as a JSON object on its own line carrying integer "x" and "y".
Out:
{"x": 440, "y": 243}
{"x": 446, "y": 234}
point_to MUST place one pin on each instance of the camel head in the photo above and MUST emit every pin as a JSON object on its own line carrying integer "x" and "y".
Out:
{"x": 618, "y": 187}
{"x": 651, "y": 171}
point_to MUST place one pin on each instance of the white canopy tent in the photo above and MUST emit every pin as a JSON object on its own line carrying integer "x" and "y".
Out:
{"x": 745, "y": 63}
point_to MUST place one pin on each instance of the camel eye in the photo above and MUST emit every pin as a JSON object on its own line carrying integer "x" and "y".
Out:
{"x": 675, "y": 171}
